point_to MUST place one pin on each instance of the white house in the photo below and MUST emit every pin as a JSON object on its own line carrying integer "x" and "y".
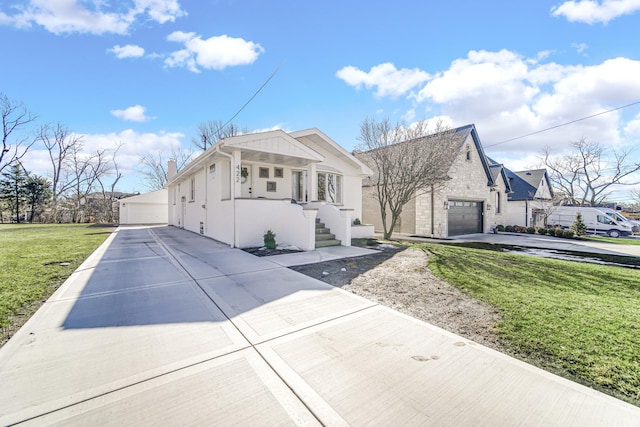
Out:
{"x": 302, "y": 186}
{"x": 474, "y": 200}
{"x": 530, "y": 198}
{"x": 148, "y": 208}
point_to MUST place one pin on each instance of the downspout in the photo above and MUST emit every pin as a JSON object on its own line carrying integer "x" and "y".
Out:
{"x": 232, "y": 191}
{"x": 432, "y": 212}
{"x": 526, "y": 213}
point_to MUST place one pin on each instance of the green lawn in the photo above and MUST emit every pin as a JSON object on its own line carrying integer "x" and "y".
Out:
{"x": 579, "y": 320}
{"x": 617, "y": 241}
{"x": 30, "y": 257}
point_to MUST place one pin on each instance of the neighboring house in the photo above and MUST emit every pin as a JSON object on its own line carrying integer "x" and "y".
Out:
{"x": 530, "y": 200}
{"x": 289, "y": 183}
{"x": 147, "y": 208}
{"x": 474, "y": 200}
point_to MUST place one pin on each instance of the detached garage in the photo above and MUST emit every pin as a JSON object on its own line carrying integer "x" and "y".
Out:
{"x": 148, "y": 208}
{"x": 465, "y": 217}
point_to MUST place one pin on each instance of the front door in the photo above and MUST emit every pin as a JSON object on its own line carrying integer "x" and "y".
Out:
{"x": 298, "y": 192}
{"x": 245, "y": 180}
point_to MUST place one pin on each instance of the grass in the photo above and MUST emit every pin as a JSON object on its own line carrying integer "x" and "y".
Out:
{"x": 30, "y": 255}
{"x": 617, "y": 241}
{"x": 578, "y": 320}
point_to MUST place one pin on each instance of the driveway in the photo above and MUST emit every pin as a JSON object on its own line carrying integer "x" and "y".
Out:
{"x": 164, "y": 327}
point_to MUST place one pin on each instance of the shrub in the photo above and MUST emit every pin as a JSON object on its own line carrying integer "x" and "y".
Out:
{"x": 500, "y": 227}
{"x": 559, "y": 232}
{"x": 578, "y": 227}
{"x": 356, "y": 221}
{"x": 542, "y": 231}
{"x": 568, "y": 234}
{"x": 509, "y": 228}
{"x": 531, "y": 230}
{"x": 270, "y": 240}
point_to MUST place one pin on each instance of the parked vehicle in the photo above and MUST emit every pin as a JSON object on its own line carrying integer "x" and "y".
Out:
{"x": 635, "y": 225}
{"x": 596, "y": 220}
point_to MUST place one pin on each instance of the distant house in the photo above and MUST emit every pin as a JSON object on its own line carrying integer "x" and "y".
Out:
{"x": 147, "y": 208}
{"x": 474, "y": 200}
{"x": 530, "y": 198}
{"x": 302, "y": 186}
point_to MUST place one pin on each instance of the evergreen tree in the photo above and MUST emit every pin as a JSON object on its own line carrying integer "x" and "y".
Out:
{"x": 13, "y": 188}
{"x": 38, "y": 193}
{"x": 578, "y": 226}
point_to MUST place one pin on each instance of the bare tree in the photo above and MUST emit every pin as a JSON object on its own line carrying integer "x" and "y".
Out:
{"x": 14, "y": 117}
{"x": 105, "y": 208}
{"x": 407, "y": 161}
{"x": 60, "y": 144}
{"x": 154, "y": 167}
{"x": 214, "y": 130}
{"x": 586, "y": 174}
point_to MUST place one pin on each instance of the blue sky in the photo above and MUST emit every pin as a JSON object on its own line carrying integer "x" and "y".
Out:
{"x": 145, "y": 73}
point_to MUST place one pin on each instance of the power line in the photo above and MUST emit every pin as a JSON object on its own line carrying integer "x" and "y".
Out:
{"x": 563, "y": 124}
{"x": 252, "y": 97}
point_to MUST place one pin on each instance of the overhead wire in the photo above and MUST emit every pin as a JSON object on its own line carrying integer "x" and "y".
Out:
{"x": 563, "y": 124}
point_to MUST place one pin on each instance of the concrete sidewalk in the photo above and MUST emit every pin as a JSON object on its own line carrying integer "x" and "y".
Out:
{"x": 164, "y": 327}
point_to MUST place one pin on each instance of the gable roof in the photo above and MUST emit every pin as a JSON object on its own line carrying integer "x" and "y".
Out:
{"x": 464, "y": 132}
{"x": 316, "y": 137}
{"x": 461, "y": 135}
{"x": 524, "y": 184}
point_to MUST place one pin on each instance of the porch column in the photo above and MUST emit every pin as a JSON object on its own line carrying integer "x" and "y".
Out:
{"x": 312, "y": 182}
{"x": 236, "y": 167}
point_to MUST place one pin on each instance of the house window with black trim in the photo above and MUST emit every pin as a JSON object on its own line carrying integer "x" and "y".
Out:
{"x": 329, "y": 188}
{"x": 498, "y": 202}
{"x": 192, "y": 189}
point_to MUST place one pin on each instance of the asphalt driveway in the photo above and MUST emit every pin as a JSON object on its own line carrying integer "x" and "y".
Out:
{"x": 164, "y": 327}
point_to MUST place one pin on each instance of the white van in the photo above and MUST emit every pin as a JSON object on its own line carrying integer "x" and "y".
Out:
{"x": 596, "y": 220}
{"x": 635, "y": 225}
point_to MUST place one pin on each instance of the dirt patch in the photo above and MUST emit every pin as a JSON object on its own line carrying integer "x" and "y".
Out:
{"x": 400, "y": 279}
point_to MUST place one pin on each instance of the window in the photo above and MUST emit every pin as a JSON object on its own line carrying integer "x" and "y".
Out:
{"x": 278, "y": 172}
{"x": 468, "y": 154}
{"x": 212, "y": 171}
{"x": 192, "y": 189}
{"x": 330, "y": 188}
{"x": 603, "y": 219}
{"x": 263, "y": 172}
{"x": 498, "y": 202}
{"x": 271, "y": 186}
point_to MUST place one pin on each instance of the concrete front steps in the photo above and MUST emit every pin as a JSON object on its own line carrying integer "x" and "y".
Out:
{"x": 324, "y": 237}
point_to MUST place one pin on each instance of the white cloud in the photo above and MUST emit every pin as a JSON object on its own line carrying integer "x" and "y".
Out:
{"x": 214, "y": 53}
{"x": 76, "y": 16}
{"x": 388, "y": 80}
{"x": 136, "y": 113}
{"x": 580, "y": 47}
{"x": 127, "y": 51}
{"x": 632, "y": 129}
{"x": 591, "y": 11}
{"x": 507, "y": 96}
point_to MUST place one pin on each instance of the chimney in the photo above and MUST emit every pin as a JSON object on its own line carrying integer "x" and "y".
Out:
{"x": 172, "y": 169}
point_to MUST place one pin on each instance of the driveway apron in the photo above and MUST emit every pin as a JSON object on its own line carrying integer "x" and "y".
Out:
{"x": 161, "y": 326}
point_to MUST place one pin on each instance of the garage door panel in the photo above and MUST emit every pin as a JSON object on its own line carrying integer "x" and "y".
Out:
{"x": 464, "y": 217}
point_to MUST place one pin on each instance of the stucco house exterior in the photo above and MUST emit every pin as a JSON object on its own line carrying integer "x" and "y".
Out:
{"x": 530, "y": 198}
{"x": 474, "y": 200}
{"x": 147, "y": 208}
{"x": 302, "y": 186}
